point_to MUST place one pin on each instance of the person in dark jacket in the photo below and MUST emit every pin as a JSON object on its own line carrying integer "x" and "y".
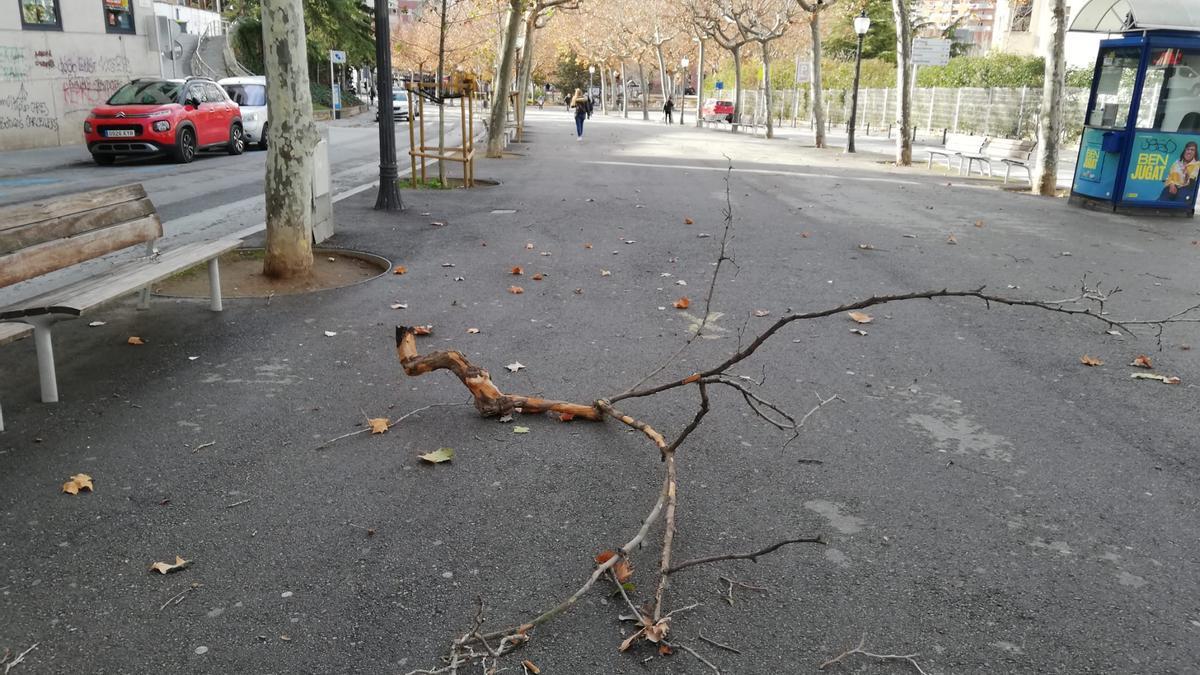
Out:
{"x": 580, "y": 104}
{"x": 668, "y": 108}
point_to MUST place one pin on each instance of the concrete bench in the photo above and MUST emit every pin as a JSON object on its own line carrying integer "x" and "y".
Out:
{"x": 968, "y": 149}
{"x": 1010, "y": 153}
{"x": 42, "y": 237}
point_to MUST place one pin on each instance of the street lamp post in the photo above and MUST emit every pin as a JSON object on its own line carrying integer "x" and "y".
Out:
{"x": 388, "y": 198}
{"x": 683, "y": 65}
{"x": 861, "y": 25}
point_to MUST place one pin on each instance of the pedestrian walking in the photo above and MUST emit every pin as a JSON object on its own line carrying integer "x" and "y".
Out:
{"x": 579, "y": 103}
{"x": 668, "y": 108}
{"x": 372, "y": 97}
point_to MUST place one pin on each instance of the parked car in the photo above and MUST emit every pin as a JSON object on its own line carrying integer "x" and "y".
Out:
{"x": 250, "y": 93}
{"x": 153, "y": 116}
{"x": 716, "y": 110}
{"x": 400, "y": 106}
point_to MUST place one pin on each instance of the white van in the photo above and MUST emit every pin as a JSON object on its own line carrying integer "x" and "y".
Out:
{"x": 250, "y": 93}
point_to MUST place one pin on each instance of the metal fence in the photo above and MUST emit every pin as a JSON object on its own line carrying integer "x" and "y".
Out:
{"x": 1006, "y": 112}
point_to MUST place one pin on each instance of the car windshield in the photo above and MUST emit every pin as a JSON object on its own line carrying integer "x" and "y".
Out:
{"x": 247, "y": 94}
{"x": 400, "y": 96}
{"x": 154, "y": 92}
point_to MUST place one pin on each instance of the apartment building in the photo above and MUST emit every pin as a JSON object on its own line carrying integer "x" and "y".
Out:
{"x": 972, "y": 20}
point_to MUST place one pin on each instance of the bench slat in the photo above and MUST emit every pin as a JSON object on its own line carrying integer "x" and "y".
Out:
{"x": 55, "y": 255}
{"x": 11, "y": 332}
{"x": 65, "y": 205}
{"x": 81, "y": 297}
{"x": 18, "y": 237}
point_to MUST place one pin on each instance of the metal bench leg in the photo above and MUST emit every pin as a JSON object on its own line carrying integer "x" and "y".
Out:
{"x": 214, "y": 285}
{"x": 45, "y": 358}
{"x": 1007, "y": 170}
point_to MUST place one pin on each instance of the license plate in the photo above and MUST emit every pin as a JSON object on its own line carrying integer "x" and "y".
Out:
{"x": 120, "y": 133}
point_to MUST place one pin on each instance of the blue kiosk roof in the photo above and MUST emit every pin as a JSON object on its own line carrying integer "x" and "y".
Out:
{"x": 1122, "y": 16}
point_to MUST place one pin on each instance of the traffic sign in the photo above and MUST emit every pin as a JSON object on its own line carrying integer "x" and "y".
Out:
{"x": 336, "y": 56}
{"x": 930, "y": 52}
{"x": 803, "y": 72}
{"x": 719, "y": 85}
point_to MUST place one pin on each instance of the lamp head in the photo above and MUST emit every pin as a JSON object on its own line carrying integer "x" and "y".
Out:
{"x": 862, "y": 23}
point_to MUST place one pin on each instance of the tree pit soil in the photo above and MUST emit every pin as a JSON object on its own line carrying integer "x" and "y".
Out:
{"x": 242, "y": 277}
{"x": 450, "y": 184}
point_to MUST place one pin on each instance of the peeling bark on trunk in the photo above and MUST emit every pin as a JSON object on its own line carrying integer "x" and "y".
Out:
{"x": 766, "y": 54}
{"x": 489, "y": 400}
{"x": 662, "y": 74}
{"x": 293, "y": 139}
{"x": 818, "y": 104}
{"x": 903, "y": 82}
{"x": 495, "y": 146}
{"x": 526, "y": 69}
{"x": 624, "y": 93}
{"x": 1045, "y": 181}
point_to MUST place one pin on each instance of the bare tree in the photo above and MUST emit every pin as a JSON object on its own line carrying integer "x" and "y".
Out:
{"x": 713, "y": 20}
{"x": 814, "y": 9}
{"x": 762, "y": 21}
{"x": 900, "y": 11}
{"x": 1050, "y": 116}
{"x": 536, "y": 17}
{"x": 504, "y": 78}
{"x": 293, "y": 140}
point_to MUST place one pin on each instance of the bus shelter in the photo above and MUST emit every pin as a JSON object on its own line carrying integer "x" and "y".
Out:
{"x": 1140, "y": 151}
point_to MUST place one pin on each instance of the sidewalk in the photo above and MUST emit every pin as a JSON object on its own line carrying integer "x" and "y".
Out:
{"x": 978, "y": 488}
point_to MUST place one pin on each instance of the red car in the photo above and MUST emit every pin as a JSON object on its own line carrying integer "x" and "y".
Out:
{"x": 153, "y": 116}
{"x": 715, "y": 110}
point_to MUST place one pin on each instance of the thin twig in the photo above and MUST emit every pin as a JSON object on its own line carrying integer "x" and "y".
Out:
{"x": 203, "y": 445}
{"x": 718, "y": 644}
{"x": 244, "y": 501}
{"x": 20, "y": 657}
{"x": 177, "y": 598}
{"x": 693, "y": 652}
{"x": 728, "y": 596}
{"x": 743, "y": 556}
{"x": 909, "y": 658}
{"x": 390, "y": 424}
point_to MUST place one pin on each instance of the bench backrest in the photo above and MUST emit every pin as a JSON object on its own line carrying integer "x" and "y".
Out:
{"x": 1009, "y": 148}
{"x": 56, "y": 232}
{"x": 964, "y": 143}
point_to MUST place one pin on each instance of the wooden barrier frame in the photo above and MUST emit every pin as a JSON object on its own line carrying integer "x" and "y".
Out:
{"x": 464, "y": 154}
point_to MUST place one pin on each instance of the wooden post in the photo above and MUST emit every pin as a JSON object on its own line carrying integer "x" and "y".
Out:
{"x": 412, "y": 147}
{"x": 421, "y": 128}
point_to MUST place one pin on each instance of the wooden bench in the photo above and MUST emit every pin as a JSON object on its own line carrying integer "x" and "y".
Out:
{"x": 963, "y": 148}
{"x": 1010, "y": 152}
{"x": 45, "y": 236}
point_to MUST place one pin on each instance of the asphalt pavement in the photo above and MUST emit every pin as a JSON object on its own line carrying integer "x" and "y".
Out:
{"x": 990, "y": 503}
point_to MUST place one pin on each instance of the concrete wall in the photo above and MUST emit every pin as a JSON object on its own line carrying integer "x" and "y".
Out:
{"x": 50, "y": 80}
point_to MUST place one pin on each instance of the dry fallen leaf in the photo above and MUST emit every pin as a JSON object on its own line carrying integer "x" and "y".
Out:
{"x": 630, "y": 640}
{"x": 605, "y": 273}
{"x": 623, "y": 570}
{"x": 578, "y": 291}
{"x": 1142, "y": 361}
{"x": 683, "y": 303}
{"x": 566, "y": 417}
{"x": 400, "y": 269}
{"x": 438, "y": 456}
{"x": 516, "y": 290}
{"x": 587, "y": 245}
{"x": 1090, "y": 360}
{"x": 529, "y": 246}
{"x": 805, "y": 235}
{"x": 859, "y": 317}
{"x": 1165, "y": 379}
{"x": 167, "y": 568}
{"x": 537, "y": 277}
{"x": 951, "y": 240}
{"x": 514, "y": 366}
{"x": 135, "y": 340}
{"x": 520, "y": 430}
{"x": 979, "y": 223}
{"x": 423, "y": 330}
{"x": 658, "y": 631}
{"x": 762, "y": 312}
{"x": 528, "y": 665}
{"x": 378, "y": 425}
{"x": 472, "y": 331}
{"x": 518, "y": 270}
{"x": 858, "y": 332}
{"x": 604, "y": 556}
{"x": 664, "y": 649}
{"x": 330, "y": 333}
{"x": 399, "y": 305}
{"x": 80, "y": 481}
{"x": 688, "y": 221}
{"x": 866, "y": 247}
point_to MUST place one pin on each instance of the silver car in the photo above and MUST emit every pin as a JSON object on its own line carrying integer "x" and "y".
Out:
{"x": 250, "y": 93}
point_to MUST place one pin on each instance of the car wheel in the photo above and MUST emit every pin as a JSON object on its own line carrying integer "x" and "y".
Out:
{"x": 185, "y": 146}
{"x": 104, "y": 160}
{"x": 237, "y": 140}
{"x": 263, "y": 139}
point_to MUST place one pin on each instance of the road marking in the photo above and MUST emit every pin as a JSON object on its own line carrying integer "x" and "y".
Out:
{"x": 769, "y": 172}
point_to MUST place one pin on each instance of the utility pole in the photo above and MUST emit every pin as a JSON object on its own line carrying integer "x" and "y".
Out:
{"x": 389, "y": 193}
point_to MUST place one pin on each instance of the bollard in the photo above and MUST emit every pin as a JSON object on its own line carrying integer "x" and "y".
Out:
{"x": 944, "y": 130}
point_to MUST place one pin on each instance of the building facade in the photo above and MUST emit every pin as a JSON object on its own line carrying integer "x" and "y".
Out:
{"x": 1023, "y": 26}
{"x": 972, "y": 20}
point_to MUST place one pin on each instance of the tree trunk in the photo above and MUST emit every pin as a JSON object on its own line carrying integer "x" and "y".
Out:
{"x": 766, "y": 54}
{"x": 441, "y": 94}
{"x": 603, "y": 90}
{"x": 645, "y": 91}
{"x": 526, "y": 69}
{"x": 624, "y": 93}
{"x": 1045, "y": 181}
{"x": 293, "y": 140}
{"x": 663, "y": 82}
{"x": 903, "y": 76}
{"x": 495, "y": 146}
{"x": 737, "y": 87}
{"x": 818, "y": 106}
{"x": 700, "y": 87}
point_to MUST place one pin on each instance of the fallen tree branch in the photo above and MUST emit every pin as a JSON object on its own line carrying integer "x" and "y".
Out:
{"x": 753, "y": 557}
{"x": 909, "y": 658}
{"x": 9, "y": 665}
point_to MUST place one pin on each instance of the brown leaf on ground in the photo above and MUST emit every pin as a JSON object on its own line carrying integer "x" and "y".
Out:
{"x": 518, "y": 270}
{"x": 630, "y": 640}
{"x": 167, "y": 568}
{"x": 578, "y": 291}
{"x": 683, "y": 303}
{"x": 658, "y": 631}
{"x": 979, "y": 223}
{"x": 762, "y": 312}
{"x": 528, "y": 665}
{"x": 587, "y": 245}
{"x": 605, "y": 273}
{"x": 604, "y": 556}
{"x": 1165, "y": 379}
{"x": 623, "y": 570}
{"x": 538, "y": 277}
{"x": 400, "y": 269}
{"x": 472, "y": 331}
{"x": 135, "y": 340}
{"x": 423, "y": 330}
{"x": 805, "y": 235}
{"x": 860, "y": 317}
{"x": 664, "y": 649}
{"x": 1142, "y": 361}
{"x": 566, "y": 417}
{"x": 378, "y": 425}
{"x": 80, "y": 481}
{"x": 516, "y": 290}
{"x": 1089, "y": 360}
{"x": 951, "y": 240}
{"x": 688, "y": 221}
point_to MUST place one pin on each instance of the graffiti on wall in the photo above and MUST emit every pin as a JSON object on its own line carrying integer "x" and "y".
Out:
{"x": 81, "y": 91}
{"x": 14, "y": 63}
{"x": 19, "y": 112}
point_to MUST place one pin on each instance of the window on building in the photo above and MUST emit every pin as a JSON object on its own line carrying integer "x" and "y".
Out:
{"x": 1022, "y": 14}
{"x": 1114, "y": 88}
{"x": 40, "y": 15}
{"x": 1171, "y": 91}
{"x": 118, "y": 16}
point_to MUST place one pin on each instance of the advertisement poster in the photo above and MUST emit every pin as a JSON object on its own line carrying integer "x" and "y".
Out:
{"x": 1096, "y": 170}
{"x": 1163, "y": 168}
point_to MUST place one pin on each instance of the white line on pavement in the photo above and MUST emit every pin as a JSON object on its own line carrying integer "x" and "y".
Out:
{"x": 770, "y": 172}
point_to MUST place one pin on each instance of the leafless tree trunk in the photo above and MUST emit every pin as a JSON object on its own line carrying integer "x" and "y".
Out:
{"x": 737, "y": 87}
{"x": 495, "y": 147}
{"x": 663, "y": 80}
{"x": 526, "y": 69}
{"x": 441, "y": 94}
{"x": 903, "y": 78}
{"x": 814, "y": 9}
{"x": 645, "y": 91}
{"x": 293, "y": 139}
{"x": 1045, "y": 181}
{"x": 766, "y": 55}
{"x": 624, "y": 93}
